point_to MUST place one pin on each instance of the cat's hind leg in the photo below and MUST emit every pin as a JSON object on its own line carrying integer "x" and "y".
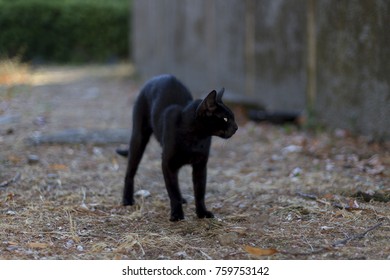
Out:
{"x": 140, "y": 136}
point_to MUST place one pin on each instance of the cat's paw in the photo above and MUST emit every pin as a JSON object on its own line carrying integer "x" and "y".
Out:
{"x": 205, "y": 214}
{"x": 177, "y": 212}
{"x": 127, "y": 202}
{"x": 176, "y": 217}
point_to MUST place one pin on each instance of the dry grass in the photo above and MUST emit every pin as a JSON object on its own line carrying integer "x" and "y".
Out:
{"x": 13, "y": 71}
{"x": 67, "y": 204}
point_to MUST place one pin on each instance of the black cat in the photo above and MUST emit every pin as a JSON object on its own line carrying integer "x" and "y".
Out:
{"x": 184, "y": 128}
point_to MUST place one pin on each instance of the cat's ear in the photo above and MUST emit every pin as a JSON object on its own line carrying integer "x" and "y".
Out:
{"x": 208, "y": 105}
{"x": 220, "y": 94}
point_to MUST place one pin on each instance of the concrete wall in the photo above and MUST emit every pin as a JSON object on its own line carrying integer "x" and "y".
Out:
{"x": 252, "y": 48}
{"x": 272, "y": 52}
{"x": 353, "y": 66}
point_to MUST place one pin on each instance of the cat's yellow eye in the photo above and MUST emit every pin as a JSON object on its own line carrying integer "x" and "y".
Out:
{"x": 225, "y": 119}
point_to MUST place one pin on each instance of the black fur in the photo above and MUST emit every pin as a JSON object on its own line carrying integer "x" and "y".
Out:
{"x": 184, "y": 128}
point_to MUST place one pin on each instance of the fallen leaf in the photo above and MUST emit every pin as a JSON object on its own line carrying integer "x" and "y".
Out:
{"x": 259, "y": 251}
{"x": 37, "y": 245}
{"x": 10, "y": 197}
{"x": 339, "y": 213}
{"x": 59, "y": 167}
{"x": 115, "y": 165}
{"x": 14, "y": 159}
{"x": 329, "y": 196}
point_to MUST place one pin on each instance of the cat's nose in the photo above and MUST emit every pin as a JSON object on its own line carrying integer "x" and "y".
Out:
{"x": 235, "y": 127}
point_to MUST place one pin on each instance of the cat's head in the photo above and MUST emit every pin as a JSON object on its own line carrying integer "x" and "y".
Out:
{"x": 215, "y": 116}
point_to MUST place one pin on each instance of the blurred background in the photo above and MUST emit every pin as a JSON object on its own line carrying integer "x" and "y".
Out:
{"x": 327, "y": 58}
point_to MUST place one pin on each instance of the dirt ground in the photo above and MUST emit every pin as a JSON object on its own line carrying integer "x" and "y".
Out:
{"x": 277, "y": 192}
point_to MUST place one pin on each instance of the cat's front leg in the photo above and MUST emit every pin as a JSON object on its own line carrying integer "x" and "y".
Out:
{"x": 172, "y": 185}
{"x": 128, "y": 191}
{"x": 199, "y": 177}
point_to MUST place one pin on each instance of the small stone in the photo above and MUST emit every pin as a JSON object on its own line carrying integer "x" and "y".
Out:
{"x": 40, "y": 121}
{"x": 162, "y": 257}
{"x": 9, "y": 119}
{"x": 52, "y": 176}
{"x": 97, "y": 151}
{"x": 228, "y": 238}
{"x": 329, "y": 166}
{"x": 181, "y": 254}
{"x": 292, "y": 149}
{"x": 33, "y": 159}
{"x": 142, "y": 193}
{"x": 340, "y": 133}
{"x": 276, "y": 157}
{"x": 12, "y": 248}
{"x": 69, "y": 244}
{"x": 326, "y": 228}
{"x": 297, "y": 171}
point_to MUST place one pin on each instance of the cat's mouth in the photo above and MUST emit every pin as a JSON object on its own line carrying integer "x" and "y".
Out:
{"x": 225, "y": 134}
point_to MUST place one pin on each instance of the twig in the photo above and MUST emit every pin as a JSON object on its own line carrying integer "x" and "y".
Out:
{"x": 347, "y": 207}
{"x": 204, "y": 254}
{"x": 11, "y": 181}
{"x": 338, "y": 243}
{"x": 314, "y": 252}
{"x": 335, "y": 205}
{"x": 307, "y": 195}
{"x": 356, "y": 236}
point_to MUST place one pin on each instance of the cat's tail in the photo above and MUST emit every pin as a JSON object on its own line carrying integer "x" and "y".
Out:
{"x": 122, "y": 152}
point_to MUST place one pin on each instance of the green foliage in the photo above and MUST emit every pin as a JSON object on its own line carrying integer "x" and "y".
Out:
{"x": 64, "y": 30}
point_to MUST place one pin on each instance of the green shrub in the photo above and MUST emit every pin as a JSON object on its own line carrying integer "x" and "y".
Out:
{"x": 65, "y": 30}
